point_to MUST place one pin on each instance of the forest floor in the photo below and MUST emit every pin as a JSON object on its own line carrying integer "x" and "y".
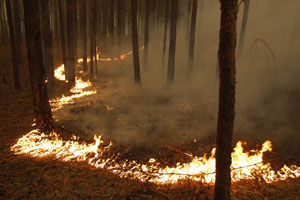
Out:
{"x": 24, "y": 177}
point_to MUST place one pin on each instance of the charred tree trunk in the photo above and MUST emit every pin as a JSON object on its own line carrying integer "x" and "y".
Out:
{"x": 146, "y": 37}
{"x": 94, "y": 36}
{"x": 70, "y": 68}
{"x": 172, "y": 48}
{"x": 111, "y": 21}
{"x": 192, "y": 37}
{"x": 83, "y": 34}
{"x": 47, "y": 41}
{"x": 120, "y": 19}
{"x": 135, "y": 42}
{"x": 75, "y": 17}
{"x": 42, "y": 110}
{"x": 92, "y": 30}
{"x": 165, "y": 30}
{"x": 13, "y": 45}
{"x": 227, "y": 45}
{"x": 105, "y": 24}
{"x": 62, "y": 33}
{"x": 244, "y": 26}
{"x": 17, "y": 26}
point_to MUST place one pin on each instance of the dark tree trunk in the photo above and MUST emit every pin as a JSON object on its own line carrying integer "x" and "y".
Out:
{"x": 244, "y": 26}
{"x": 188, "y": 15}
{"x": 62, "y": 33}
{"x": 146, "y": 37}
{"x": 227, "y": 45}
{"x": 84, "y": 34}
{"x": 192, "y": 36}
{"x": 94, "y": 36}
{"x": 47, "y": 41}
{"x": 70, "y": 68}
{"x": 135, "y": 42}
{"x": 167, "y": 9}
{"x": 171, "y": 61}
{"x": 120, "y": 19}
{"x": 92, "y": 30}
{"x": 56, "y": 24}
{"x": 105, "y": 24}
{"x": 42, "y": 110}
{"x": 17, "y": 26}
{"x": 111, "y": 21}
{"x": 75, "y": 30}
{"x": 13, "y": 45}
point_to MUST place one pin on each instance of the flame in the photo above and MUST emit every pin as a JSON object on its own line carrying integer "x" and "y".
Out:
{"x": 245, "y": 165}
{"x": 79, "y": 90}
{"x": 59, "y": 73}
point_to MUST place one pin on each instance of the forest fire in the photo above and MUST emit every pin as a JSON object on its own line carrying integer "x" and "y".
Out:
{"x": 245, "y": 165}
{"x": 79, "y": 90}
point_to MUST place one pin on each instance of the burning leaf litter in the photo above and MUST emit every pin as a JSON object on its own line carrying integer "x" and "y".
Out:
{"x": 245, "y": 165}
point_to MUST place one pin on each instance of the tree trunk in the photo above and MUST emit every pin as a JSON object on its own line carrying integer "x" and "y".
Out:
{"x": 111, "y": 21}
{"x": 83, "y": 34}
{"x": 227, "y": 45}
{"x": 75, "y": 17}
{"x": 42, "y": 110}
{"x": 92, "y": 30}
{"x": 94, "y": 37}
{"x": 146, "y": 37}
{"x": 135, "y": 42}
{"x": 171, "y": 61}
{"x": 105, "y": 24}
{"x": 62, "y": 33}
{"x": 13, "y": 45}
{"x": 120, "y": 18}
{"x": 70, "y": 68}
{"x": 17, "y": 26}
{"x": 165, "y": 30}
{"x": 47, "y": 41}
{"x": 244, "y": 25}
{"x": 192, "y": 36}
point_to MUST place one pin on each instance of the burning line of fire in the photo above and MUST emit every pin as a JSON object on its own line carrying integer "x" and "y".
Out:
{"x": 244, "y": 165}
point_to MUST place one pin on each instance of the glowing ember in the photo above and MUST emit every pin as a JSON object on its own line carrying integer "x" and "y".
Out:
{"x": 244, "y": 165}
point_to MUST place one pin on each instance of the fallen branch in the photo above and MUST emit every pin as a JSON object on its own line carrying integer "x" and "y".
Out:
{"x": 178, "y": 151}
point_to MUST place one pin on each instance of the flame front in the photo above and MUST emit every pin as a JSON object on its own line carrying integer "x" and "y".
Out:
{"x": 245, "y": 165}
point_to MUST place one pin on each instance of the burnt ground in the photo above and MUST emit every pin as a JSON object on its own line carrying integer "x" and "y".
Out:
{"x": 23, "y": 177}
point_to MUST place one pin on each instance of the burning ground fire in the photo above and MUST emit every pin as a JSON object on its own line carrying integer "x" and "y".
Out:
{"x": 245, "y": 165}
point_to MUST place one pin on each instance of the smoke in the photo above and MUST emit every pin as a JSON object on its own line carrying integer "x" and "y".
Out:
{"x": 267, "y": 96}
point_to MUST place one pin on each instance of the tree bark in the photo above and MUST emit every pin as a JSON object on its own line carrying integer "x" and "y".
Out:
{"x": 47, "y": 41}
{"x": 75, "y": 17}
{"x": 13, "y": 45}
{"x": 84, "y": 34}
{"x": 135, "y": 42}
{"x": 62, "y": 33}
{"x": 120, "y": 19}
{"x": 172, "y": 48}
{"x": 92, "y": 30}
{"x": 167, "y": 9}
{"x": 42, "y": 110}
{"x": 227, "y": 45}
{"x": 17, "y": 26}
{"x": 111, "y": 21}
{"x": 192, "y": 36}
{"x": 70, "y": 68}
{"x": 244, "y": 26}
{"x": 146, "y": 37}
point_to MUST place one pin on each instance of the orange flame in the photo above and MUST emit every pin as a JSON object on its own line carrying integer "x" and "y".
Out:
{"x": 244, "y": 166}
